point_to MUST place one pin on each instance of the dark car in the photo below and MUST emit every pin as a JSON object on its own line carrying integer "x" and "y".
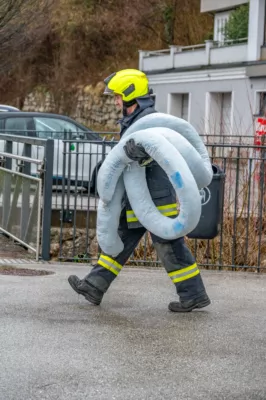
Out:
{"x": 44, "y": 125}
{"x": 60, "y": 127}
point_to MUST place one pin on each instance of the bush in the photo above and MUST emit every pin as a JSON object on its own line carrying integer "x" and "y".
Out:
{"x": 237, "y": 25}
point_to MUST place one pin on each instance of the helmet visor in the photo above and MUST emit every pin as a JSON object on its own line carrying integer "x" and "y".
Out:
{"x": 108, "y": 91}
{"x": 107, "y": 81}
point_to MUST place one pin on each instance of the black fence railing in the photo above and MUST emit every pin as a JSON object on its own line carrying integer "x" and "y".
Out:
{"x": 241, "y": 242}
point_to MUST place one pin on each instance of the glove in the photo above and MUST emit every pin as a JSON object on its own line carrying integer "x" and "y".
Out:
{"x": 136, "y": 152}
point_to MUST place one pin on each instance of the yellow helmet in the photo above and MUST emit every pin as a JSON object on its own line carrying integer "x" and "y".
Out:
{"x": 129, "y": 83}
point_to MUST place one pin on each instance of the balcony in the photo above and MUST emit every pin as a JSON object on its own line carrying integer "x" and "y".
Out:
{"x": 215, "y": 6}
{"x": 210, "y": 53}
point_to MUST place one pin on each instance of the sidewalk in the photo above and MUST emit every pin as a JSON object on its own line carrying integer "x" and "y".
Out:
{"x": 11, "y": 249}
{"x": 55, "y": 345}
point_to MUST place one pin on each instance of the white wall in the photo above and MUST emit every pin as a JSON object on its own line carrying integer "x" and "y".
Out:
{"x": 256, "y": 29}
{"x": 228, "y": 54}
{"x": 243, "y": 97}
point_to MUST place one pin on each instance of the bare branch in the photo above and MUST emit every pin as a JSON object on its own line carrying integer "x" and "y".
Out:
{"x": 23, "y": 25}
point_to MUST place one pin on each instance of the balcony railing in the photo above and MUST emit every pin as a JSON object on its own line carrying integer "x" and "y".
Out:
{"x": 208, "y": 53}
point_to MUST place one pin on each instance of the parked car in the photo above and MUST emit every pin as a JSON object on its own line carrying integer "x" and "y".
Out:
{"x": 4, "y": 108}
{"x": 86, "y": 156}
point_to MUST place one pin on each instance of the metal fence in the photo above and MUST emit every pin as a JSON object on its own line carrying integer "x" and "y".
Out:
{"x": 70, "y": 188}
{"x": 26, "y": 192}
{"x": 241, "y": 242}
{"x": 20, "y": 202}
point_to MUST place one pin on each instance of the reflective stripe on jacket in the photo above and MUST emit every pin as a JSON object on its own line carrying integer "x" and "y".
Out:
{"x": 162, "y": 194}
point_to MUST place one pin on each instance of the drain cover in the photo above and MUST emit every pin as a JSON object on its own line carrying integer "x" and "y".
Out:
{"x": 9, "y": 270}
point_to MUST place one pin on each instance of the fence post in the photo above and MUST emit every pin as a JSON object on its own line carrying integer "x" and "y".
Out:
{"x": 7, "y": 185}
{"x": 25, "y": 206}
{"x": 47, "y": 198}
{"x": 173, "y": 51}
{"x": 208, "y": 46}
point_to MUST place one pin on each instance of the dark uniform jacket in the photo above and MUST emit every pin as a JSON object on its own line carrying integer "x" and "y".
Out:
{"x": 161, "y": 189}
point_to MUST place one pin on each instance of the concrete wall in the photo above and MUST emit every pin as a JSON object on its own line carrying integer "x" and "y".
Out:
{"x": 88, "y": 106}
{"x": 228, "y": 54}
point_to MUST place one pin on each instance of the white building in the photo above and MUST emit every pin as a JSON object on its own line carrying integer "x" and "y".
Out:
{"x": 219, "y": 87}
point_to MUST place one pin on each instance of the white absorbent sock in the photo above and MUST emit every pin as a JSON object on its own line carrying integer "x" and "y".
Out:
{"x": 179, "y": 174}
{"x": 183, "y": 164}
{"x": 181, "y": 126}
{"x": 108, "y": 216}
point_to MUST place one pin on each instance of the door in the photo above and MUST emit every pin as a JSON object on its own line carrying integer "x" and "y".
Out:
{"x": 225, "y": 128}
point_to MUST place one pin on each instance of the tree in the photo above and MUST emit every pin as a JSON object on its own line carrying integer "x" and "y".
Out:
{"x": 23, "y": 26}
{"x": 237, "y": 25}
{"x": 72, "y": 42}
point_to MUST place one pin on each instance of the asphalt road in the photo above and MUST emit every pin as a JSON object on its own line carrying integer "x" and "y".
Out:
{"x": 55, "y": 345}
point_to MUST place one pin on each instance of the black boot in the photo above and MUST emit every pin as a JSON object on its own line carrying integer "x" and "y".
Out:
{"x": 83, "y": 287}
{"x": 189, "y": 305}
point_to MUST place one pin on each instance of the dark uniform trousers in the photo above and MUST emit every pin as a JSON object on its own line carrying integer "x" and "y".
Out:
{"x": 177, "y": 259}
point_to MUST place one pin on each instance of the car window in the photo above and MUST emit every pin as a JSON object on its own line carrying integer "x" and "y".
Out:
{"x": 20, "y": 126}
{"x": 55, "y": 128}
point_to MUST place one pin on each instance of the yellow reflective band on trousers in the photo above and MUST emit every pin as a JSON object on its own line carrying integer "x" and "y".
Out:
{"x": 110, "y": 264}
{"x": 167, "y": 210}
{"x": 184, "y": 274}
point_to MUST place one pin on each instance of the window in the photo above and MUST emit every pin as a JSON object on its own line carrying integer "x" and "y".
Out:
{"x": 261, "y": 104}
{"x": 220, "y": 114}
{"x": 55, "y": 128}
{"x": 219, "y": 119}
{"x": 20, "y": 126}
{"x": 179, "y": 105}
{"x": 219, "y": 23}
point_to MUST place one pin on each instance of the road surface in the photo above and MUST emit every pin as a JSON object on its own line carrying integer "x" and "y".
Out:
{"x": 55, "y": 345}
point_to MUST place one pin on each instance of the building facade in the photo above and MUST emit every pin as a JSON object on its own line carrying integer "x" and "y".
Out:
{"x": 218, "y": 86}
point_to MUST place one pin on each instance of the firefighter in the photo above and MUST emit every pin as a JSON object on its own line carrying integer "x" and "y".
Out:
{"x": 132, "y": 94}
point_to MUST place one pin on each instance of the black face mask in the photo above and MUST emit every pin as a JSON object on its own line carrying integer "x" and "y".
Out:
{"x": 128, "y": 104}
{"x": 142, "y": 102}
